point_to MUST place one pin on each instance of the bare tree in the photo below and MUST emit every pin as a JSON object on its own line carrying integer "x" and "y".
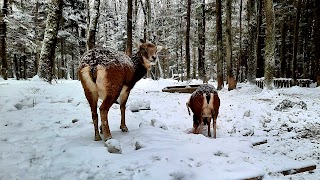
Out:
{"x": 317, "y": 41}
{"x": 50, "y": 41}
{"x": 252, "y": 36}
{"x": 295, "y": 44}
{"x": 93, "y": 25}
{"x": 201, "y": 47}
{"x": 231, "y": 79}
{"x": 3, "y": 57}
{"x": 270, "y": 45}
{"x": 188, "y": 38}
{"x": 129, "y": 29}
{"x": 219, "y": 45}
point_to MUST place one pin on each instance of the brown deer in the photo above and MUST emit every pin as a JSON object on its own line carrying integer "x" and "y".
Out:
{"x": 204, "y": 103}
{"x": 110, "y": 75}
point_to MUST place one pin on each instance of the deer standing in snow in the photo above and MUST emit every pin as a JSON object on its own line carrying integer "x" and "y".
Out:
{"x": 110, "y": 75}
{"x": 204, "y": 103}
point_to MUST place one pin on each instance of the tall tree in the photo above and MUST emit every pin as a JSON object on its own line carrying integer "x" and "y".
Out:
{"x": 251, "y": 39}
{"x": 50, "y": 41}
{"x": 239, "y": 64}
{"x": 294, "y": 70}
{"x": 259, "y": 41}
{"x": 219, "y": 45}
{"x": 93, "y": 24}
{"x": 188, "y": 38}
{"x": 231, "y": 80}
{"x": 317, "y": 41}
{"x": 3, "y": 29}
{"x": 129, "y": 29}
{"x": 270, "y": 45}
{"x": 202, "y": 42}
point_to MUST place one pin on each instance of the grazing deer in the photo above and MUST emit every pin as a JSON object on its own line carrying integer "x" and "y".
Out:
{"x": 204, "y": 103}
{"x": 109, "y": 75}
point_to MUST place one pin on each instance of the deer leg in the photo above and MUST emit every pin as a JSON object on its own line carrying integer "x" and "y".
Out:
{"x": 195, "y": 124}
{"x": 124, "y": 94}
{"x": 209, "y": 122}
{"x": 104, "y": 109}
{"x": 214, "y": 124}
{"x": 93, "y": 101}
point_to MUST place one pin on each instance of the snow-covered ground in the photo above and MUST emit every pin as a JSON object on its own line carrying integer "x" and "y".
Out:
{"x": 46, "y": 132}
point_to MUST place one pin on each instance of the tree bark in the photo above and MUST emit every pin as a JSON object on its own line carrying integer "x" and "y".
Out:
{"x": 239, "y": 64}
{"x": 252, "y": 36}
{"x": 201, "y": 48}
{"x": 317, "y": 41}
{"x": 259, "y": 42}
{"x": 129, "y": 29}
{"x": 50, "y": 41}
{"x": 188, "y": 38}
{"x": 3, "y": 32}
{"x": 294, "y": 70}
{"x": 93, "y": 25}
{"x": 270, "y": 45}
{"x": 219, "y": 45}
{"x": 283, "y": 63}
{"x": 231, "y": 80}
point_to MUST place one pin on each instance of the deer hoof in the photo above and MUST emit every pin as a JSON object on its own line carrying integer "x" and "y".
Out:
{"x": 97, "y": 138}
{"x": 124, "y": 128}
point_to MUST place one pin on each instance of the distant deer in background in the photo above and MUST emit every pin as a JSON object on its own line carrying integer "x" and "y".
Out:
{"x": 204, "y": 103}
{"x": 109, "y": 75}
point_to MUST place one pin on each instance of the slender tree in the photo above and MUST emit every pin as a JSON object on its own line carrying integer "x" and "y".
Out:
{"x": 188, "y": 38}
{"x": 270, "y": 45}
{"x": 239, "y": 64}
{"x": 231, "y": 80}
{"x": 294, "y": 70}
{"x": 251, "y": 38}
{"x": 50, "y": 41}
{"x": 129, "y": 29}
{"x": 317, "y": 41}
{"x": 259, "y": 41}
{"x": 219, "y": 45}
{"x": 93, "y": 25}
{"x": 202, "y": 42}
{"x": 3, "y": 29}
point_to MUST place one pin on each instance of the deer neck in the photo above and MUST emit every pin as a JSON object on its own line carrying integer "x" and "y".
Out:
{"x": 139, "y": 69}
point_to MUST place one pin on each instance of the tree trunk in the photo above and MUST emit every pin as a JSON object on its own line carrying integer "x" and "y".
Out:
{"x": 270, "y": 45}
{"x": 252, "y": 36}
{"x": 194, "y": 65}
{"x": 50, "y": 41}
{"x": 36, "y": 35}
{"x": 201, "y": 47}
{"x": 231, "y": 80}
{"x": 3, "y": 32}
{"x": 317, "y": 41}
{"x": 259, "y": 42}
{"x": 129, "y": 29}
{"x": 239, "y": 64}
{"x": 93, "y": 25}
{"x": 283, "y": 61}
{"x": 188, "y": 38}
{"x": 219, "y": 45}
{"x": 294, "y": 70}
{"x": 15, "y": 62}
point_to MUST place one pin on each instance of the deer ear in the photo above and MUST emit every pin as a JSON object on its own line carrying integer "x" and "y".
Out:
{"x": 159, "y": 48}
{"x": 137, "y": 44}
{"x": 142, "y": 41}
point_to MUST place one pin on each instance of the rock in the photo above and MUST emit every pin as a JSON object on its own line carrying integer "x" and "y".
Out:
{"x": 113, "y": 146}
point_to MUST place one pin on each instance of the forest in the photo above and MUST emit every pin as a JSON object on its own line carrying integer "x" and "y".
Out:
{"x": 228, "y": 41}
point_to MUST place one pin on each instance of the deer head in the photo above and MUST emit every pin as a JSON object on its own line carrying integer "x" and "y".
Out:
{"x": 148, "y": 52}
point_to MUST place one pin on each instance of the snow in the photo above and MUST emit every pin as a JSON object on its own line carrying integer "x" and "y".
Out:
{"x": 46, "y": 132}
